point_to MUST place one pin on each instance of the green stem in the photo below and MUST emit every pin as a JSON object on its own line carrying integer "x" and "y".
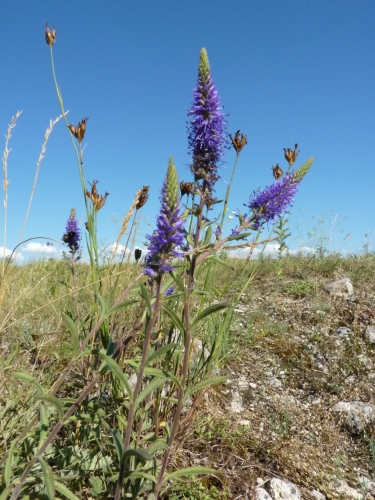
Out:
{"x": 228, "y": 192}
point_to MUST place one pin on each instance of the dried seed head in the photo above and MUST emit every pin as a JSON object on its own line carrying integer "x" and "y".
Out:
{"x": 186, "y": 188}
{"x": 238, "y": 141}
{"x": 291, "y": 155}
{"x": 277, "y": 172}
{"x": 143, "y": 197}
{"x": 97, "y": 199}
{"x": 79, "y": 131}
{"x": 50, "y": 35}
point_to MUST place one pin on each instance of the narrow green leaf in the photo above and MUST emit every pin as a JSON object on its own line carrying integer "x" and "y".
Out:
{"x": 239, "y": 236}
{"x": 72, "y": 327}
{"x": 27, "y": 378}
{"x": 143, "y": 475}
{"x": 161, "y": 374}
{"x": 61, "y": 488}
{"x": 43, "y": 424}
{"x": 117, "y": 438}
{"x": 152, "y": 386}
{"x": 176, "y": 320}
{"x": 209, "y": 310}
{"x": 48, "y": 479}
{"x": 157, "y": 354}
{"x": 188, "y": 471}
{"x": 140, "y": 454}
{"x": 217, "y": 380}
{"x": 54, "y": 401}
{"x": 12, "y": 356}
{"x": 5, "y": 493}
{"x": 208, "y": 236}
{"x": 115, "y": 368}
{"x": 146, "y": 297}
{"x": 121, "y": 305}
{"x": 220, "y": 262}
{"x": 177, "y": 278}
{"x": 8, "y": 464}
{"x": 103, "y": 306}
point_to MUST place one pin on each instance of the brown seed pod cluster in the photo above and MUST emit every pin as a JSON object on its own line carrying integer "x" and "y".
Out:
{"x": 291, "y": 155}
{"x": 186, "y": 188}
{"x": 97, "y": 199}
{"x": 50, "y": 35}
{"x": 277, "y": 172}
{"x": 79, "y": 131}
{"x": 143, "y": 197}
{"x": 239, "y": 141}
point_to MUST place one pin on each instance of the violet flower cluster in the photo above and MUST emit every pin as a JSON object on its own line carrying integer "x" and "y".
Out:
{"x": 206, "y": 131}
{"x": 273, "y": 200}
{"x": 72, "y": 235}
{"x": 169, "y": 235}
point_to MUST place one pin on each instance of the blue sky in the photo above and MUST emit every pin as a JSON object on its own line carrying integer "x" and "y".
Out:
{"x": 287, "y": 72}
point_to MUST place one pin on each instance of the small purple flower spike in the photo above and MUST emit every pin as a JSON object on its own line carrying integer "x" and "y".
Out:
{"x": 273, "y": 200}
{"x": 72, "y": 234}
{"x": 169, "y": 234}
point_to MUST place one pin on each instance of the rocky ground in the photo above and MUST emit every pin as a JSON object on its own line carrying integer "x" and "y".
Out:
{"x": 296, "y": 417}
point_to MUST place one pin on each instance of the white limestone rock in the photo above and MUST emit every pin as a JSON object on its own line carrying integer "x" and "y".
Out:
{"x": 341, "y": 288}
{"x": 282, "y": 489}
{"x": 358, "y": 415}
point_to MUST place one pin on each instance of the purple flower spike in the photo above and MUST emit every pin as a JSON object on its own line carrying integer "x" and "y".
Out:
{"x": 169, "y": 232}
{"x": 273, "y": 200}
{"x": 206, "y": 131}
{"x": 168, "y": 292}
{"x": 72, "y": 234}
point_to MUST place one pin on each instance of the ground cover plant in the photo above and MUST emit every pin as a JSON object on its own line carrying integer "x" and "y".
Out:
{"x": 112, "y": 361}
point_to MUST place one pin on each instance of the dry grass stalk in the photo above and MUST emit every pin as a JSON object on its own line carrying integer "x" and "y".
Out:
{"x": 5, "y": 178}
{"x": 125, "y": 222}
{"x": 38, "y": 164}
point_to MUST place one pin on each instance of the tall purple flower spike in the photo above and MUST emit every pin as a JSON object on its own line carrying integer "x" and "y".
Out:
{"x": 169, "y": 234}
{"x": 206, "y": 131}
{"x": 273, "y": 200}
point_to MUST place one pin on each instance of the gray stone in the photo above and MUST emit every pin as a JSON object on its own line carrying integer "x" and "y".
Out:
{"x": 317, "y": 495}
{"x": 343, "y": 333}
{"x": 341, "y": 487}
{"x": 236, "y": 404}
{"x": 341, "y": 288}
{"x": 358, "y": 415}
{"x": 261, "y": 494}
{"x": 282, "y": 489}
{"x": 370, "y": 333}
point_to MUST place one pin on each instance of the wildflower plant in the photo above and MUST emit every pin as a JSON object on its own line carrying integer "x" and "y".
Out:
{"x": 143, "y": 356}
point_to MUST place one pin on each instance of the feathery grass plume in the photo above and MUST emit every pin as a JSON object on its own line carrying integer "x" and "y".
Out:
{"x": 206, "y": 131}
{"x": 5, "y": 177}
{"x": 38, "y": 164}
{"x": 97, "y": 199}
{"x": 169, "y": 232}
{"x": 300, "y": 173}
{"x": 273, "y": 200}
{"x": 126, "y": 220}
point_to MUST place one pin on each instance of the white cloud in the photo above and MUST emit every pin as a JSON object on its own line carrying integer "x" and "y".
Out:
{"x": 6, "y": 253}
{"x": 33, "y": 247}
{"x": 119, "y": 250}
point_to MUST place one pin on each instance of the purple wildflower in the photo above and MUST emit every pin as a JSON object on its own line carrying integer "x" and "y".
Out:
{"x": 168, "y": 292}
{"x": 218, "y": 232}
{"x": 169, "y": 233}
{"x": 72, "y": 234}
{"x": 273, "y": 200}
{"x": 206, "y": 131}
